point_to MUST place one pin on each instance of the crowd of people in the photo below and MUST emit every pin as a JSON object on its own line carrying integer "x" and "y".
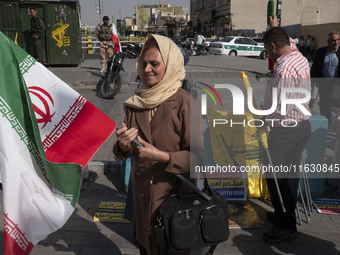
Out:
{"x": 306, "y": 46}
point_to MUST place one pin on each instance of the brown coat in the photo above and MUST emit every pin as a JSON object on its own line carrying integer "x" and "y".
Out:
{"x": 153, "y": 182}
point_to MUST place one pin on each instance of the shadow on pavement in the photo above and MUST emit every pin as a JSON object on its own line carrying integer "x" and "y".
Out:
{"x": 83, "y": 236}
{"x": 302, "y": 244}
{"x": 96, "y": 74}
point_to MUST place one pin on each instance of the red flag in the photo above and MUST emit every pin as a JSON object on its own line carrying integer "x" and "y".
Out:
{"x": 115, "y": 38}
{"x": 44, "y": 125}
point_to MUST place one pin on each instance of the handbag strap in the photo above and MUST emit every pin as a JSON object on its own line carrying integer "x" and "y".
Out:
{"x": 197, "y": 190}
{"x": 160, "y": 235}
{"x": 183, "y": 179}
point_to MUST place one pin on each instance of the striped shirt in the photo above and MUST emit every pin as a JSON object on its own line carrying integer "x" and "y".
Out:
{"x": 292, "y": 71}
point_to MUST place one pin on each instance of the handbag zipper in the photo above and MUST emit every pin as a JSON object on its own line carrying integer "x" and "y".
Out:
{"x": 187, "y": 213}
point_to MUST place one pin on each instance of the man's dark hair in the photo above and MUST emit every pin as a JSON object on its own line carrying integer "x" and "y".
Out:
{"x": 278, "y": 36}
{"x": 32, "y": 8}
{"x": 105, "y": 18}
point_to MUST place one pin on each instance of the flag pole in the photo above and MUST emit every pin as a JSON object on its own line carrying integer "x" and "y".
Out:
{"x": 263, "y": 137}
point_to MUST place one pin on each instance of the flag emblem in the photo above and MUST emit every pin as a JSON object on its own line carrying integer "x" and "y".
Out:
{"x": 43, "y": 115}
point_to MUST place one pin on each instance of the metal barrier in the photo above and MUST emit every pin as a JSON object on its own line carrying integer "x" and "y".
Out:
{"x": 90, "y": 44}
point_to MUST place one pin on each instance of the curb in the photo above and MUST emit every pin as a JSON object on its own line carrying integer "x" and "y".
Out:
{"x": 102, "y": 168}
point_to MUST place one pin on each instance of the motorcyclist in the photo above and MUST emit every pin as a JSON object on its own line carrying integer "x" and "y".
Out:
{"x": 199, "y": 40}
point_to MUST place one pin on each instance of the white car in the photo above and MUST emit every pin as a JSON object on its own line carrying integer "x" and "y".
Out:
{"x": 207, "y": 41}
{"x": 237, "y": 46}
{"x": 259, "y": 40}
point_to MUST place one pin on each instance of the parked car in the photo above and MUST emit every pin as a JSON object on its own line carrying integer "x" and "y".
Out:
{"x": 207, "y": 42}
{"x": 237, "y": 46}
{"x": 217, "y": 39}
{"x": 259, "y": 40}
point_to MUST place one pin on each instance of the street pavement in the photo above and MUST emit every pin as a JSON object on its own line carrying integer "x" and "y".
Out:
{"x": 82, "y": 235}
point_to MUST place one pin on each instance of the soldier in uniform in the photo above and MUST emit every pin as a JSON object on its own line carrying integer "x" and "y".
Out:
{"x": 104, "y": 34}
{"x": 37, "y": 33}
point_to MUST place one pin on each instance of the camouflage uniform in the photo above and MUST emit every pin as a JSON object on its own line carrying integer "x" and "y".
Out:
{"x": 37, "y": 29}
{"x": 104, "y": 36}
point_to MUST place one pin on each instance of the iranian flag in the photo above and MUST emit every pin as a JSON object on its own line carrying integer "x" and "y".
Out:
{"x": 48, "y": 132}
{"x": 115, "y": 37}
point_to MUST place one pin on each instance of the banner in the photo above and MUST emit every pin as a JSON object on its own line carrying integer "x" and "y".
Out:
{"x": 44, "y": 124}
{"x": 237, "y": 147}
{"x": 329, "y": 206}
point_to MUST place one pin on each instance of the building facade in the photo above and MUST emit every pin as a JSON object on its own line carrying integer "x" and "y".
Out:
{"x": 162, "y": 19}
{"x": 249, "y": 17}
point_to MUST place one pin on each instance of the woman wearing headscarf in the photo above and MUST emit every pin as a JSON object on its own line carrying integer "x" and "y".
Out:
{"x": 158, "y": 115}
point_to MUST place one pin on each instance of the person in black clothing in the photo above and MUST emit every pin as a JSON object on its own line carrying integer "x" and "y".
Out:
{"x": 37, "y": 33}
{"x": 326, "y": 65}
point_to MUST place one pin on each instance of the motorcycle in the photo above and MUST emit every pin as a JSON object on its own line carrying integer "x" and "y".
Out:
{"x": 110, "y": 85}
{"x": 192, "y": 49}
{"x": 200, "y": 50}
{"x": 188, "y": 47}
{"x": 133, "y": 50}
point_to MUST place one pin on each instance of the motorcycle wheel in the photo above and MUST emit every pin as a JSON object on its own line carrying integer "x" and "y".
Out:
{"x": 110, "y": 86}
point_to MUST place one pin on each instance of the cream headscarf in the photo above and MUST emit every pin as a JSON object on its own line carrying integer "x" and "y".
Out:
{"x": 151, "y": 97}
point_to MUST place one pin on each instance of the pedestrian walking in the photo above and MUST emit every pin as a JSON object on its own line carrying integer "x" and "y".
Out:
{"x": 302, "y": 45}
{"x": 296, "y": 40}
{"x": 37, "y": 35}
{"x": 313, "y": 47}
{"x": 104, "y": 34}
{"x": 285, "y": 143}
{"x": 308, "y": 47}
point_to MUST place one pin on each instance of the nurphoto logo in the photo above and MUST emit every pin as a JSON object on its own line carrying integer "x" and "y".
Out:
{"x": 238, "y": 100}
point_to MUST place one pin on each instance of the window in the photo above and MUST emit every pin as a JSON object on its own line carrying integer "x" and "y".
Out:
{"x": 227, "y": 39}
{"x": 239, "y": 41}
{"x": 249, "y": 41}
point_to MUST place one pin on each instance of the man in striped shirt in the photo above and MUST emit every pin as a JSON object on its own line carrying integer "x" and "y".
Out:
{"x": 290, "y": 131}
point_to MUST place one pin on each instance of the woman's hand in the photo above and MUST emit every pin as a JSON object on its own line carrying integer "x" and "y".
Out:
{"x": 125, "y": 137}
{"x": 150, "y": 152}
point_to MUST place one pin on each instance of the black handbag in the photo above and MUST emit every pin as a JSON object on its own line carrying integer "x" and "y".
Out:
{"x": 194, "y": 220}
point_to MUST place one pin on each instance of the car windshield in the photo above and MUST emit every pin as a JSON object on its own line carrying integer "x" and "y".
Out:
{"x": 227, "y": 39}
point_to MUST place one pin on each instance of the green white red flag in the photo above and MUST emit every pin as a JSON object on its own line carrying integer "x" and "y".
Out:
{"x": 45, "y": 127}
{"x": 115, "y": 37}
